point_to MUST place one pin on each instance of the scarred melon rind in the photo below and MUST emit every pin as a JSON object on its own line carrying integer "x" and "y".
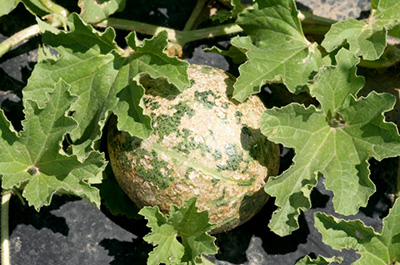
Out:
{"x": 204, "y": 144}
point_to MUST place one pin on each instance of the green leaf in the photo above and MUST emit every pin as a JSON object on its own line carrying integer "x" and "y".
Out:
{"x": 277, "y": 49}
{"x": 104, "y": 77}
{"x": 374, "y": 248}
{"x": 6, "y": 6}
{"x": 236, "y": 8}
{"x": 114, "y": 198}
{"x": 237, "y": 55}
{"x": 34, "y": 157}
{"x": 96, "y": 11}
{"x": 319, "y": 260}
{"x": 36, "y": 7}
{"x": 192, "y": 227}
{"x": 41, "y": 8}
{"x": 365, "y": 38}
{"x": 335, "y": 140}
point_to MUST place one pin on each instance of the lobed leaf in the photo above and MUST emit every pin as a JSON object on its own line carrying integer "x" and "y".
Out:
{"x": 335, "y": 140}
{"x": 96, "y": 11}
{"x": 34, "y": 157}
{"x": 236, "y": 8}
{"x": 103, "y": 76}
{"x": 366, "y": 38}
{"x": 375, "y": 248}
{"x": 276, "y": 48}
{"x": 192, "y": 227}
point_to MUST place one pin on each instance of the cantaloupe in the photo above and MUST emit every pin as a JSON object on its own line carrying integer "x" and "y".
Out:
{"x": 204, "y": 144}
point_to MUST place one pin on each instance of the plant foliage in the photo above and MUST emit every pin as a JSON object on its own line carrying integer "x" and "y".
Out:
{"x": 187, "y": 223}
{"x": 70, "y": 96}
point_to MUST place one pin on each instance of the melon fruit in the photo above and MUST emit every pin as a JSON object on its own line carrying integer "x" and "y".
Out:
{"x": 204, "y": 144}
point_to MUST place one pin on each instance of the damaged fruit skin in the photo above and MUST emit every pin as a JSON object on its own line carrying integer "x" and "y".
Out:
{"x": 204, "y": 144}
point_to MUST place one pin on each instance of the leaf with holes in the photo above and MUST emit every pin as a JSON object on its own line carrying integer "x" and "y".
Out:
{"x": 34, "y": 158}
{"x": 335, "y": 140}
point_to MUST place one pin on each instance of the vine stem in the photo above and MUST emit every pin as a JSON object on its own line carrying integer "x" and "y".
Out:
{"x": 195, "y": 15}
{"x": 18, "y": 38}
{"x": 53, "y": 7}
{"x": 176, "y": 36}
{"x": 5, "y": 238}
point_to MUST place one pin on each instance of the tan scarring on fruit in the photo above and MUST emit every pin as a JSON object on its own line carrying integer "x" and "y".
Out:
{"x": 204, "y": 144}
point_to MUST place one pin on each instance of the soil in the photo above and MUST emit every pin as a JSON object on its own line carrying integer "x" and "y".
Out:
{"x": 72, "y": 231}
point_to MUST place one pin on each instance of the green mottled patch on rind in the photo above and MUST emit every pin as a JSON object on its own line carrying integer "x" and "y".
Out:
{"x": 245, "y": 130}
{"x": 217, "y": 155}
{"x": 206, "y": 69}
{"x": 151, "y": 104}
{"x": 188, "y": 170}
{"x": 238, "y": 116}
{"x": 204, "y": 98}
{"x": 221, "y": 201}
{"x": 154, "y": 173}
{"x": 215, "y": 181}
{"x": 180, "y": 160}
{"x": 234, "y": 158}
{"x": 164, "y": 124}
{"x": 249, "y": 183}
{"x": 212, "y": 134}
{"x": 188, "y": 144}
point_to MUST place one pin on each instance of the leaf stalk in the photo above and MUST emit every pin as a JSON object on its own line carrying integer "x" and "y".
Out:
{"x": 175, "y": 36}
{"x": 54, "y": 8}
{"x": 19, "y": 37}
{"x": 5, "y": 237}
{"x": 195, "y": 15}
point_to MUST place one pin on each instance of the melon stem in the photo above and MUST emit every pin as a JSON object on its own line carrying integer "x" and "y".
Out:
{"x": 5, "y": 237}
